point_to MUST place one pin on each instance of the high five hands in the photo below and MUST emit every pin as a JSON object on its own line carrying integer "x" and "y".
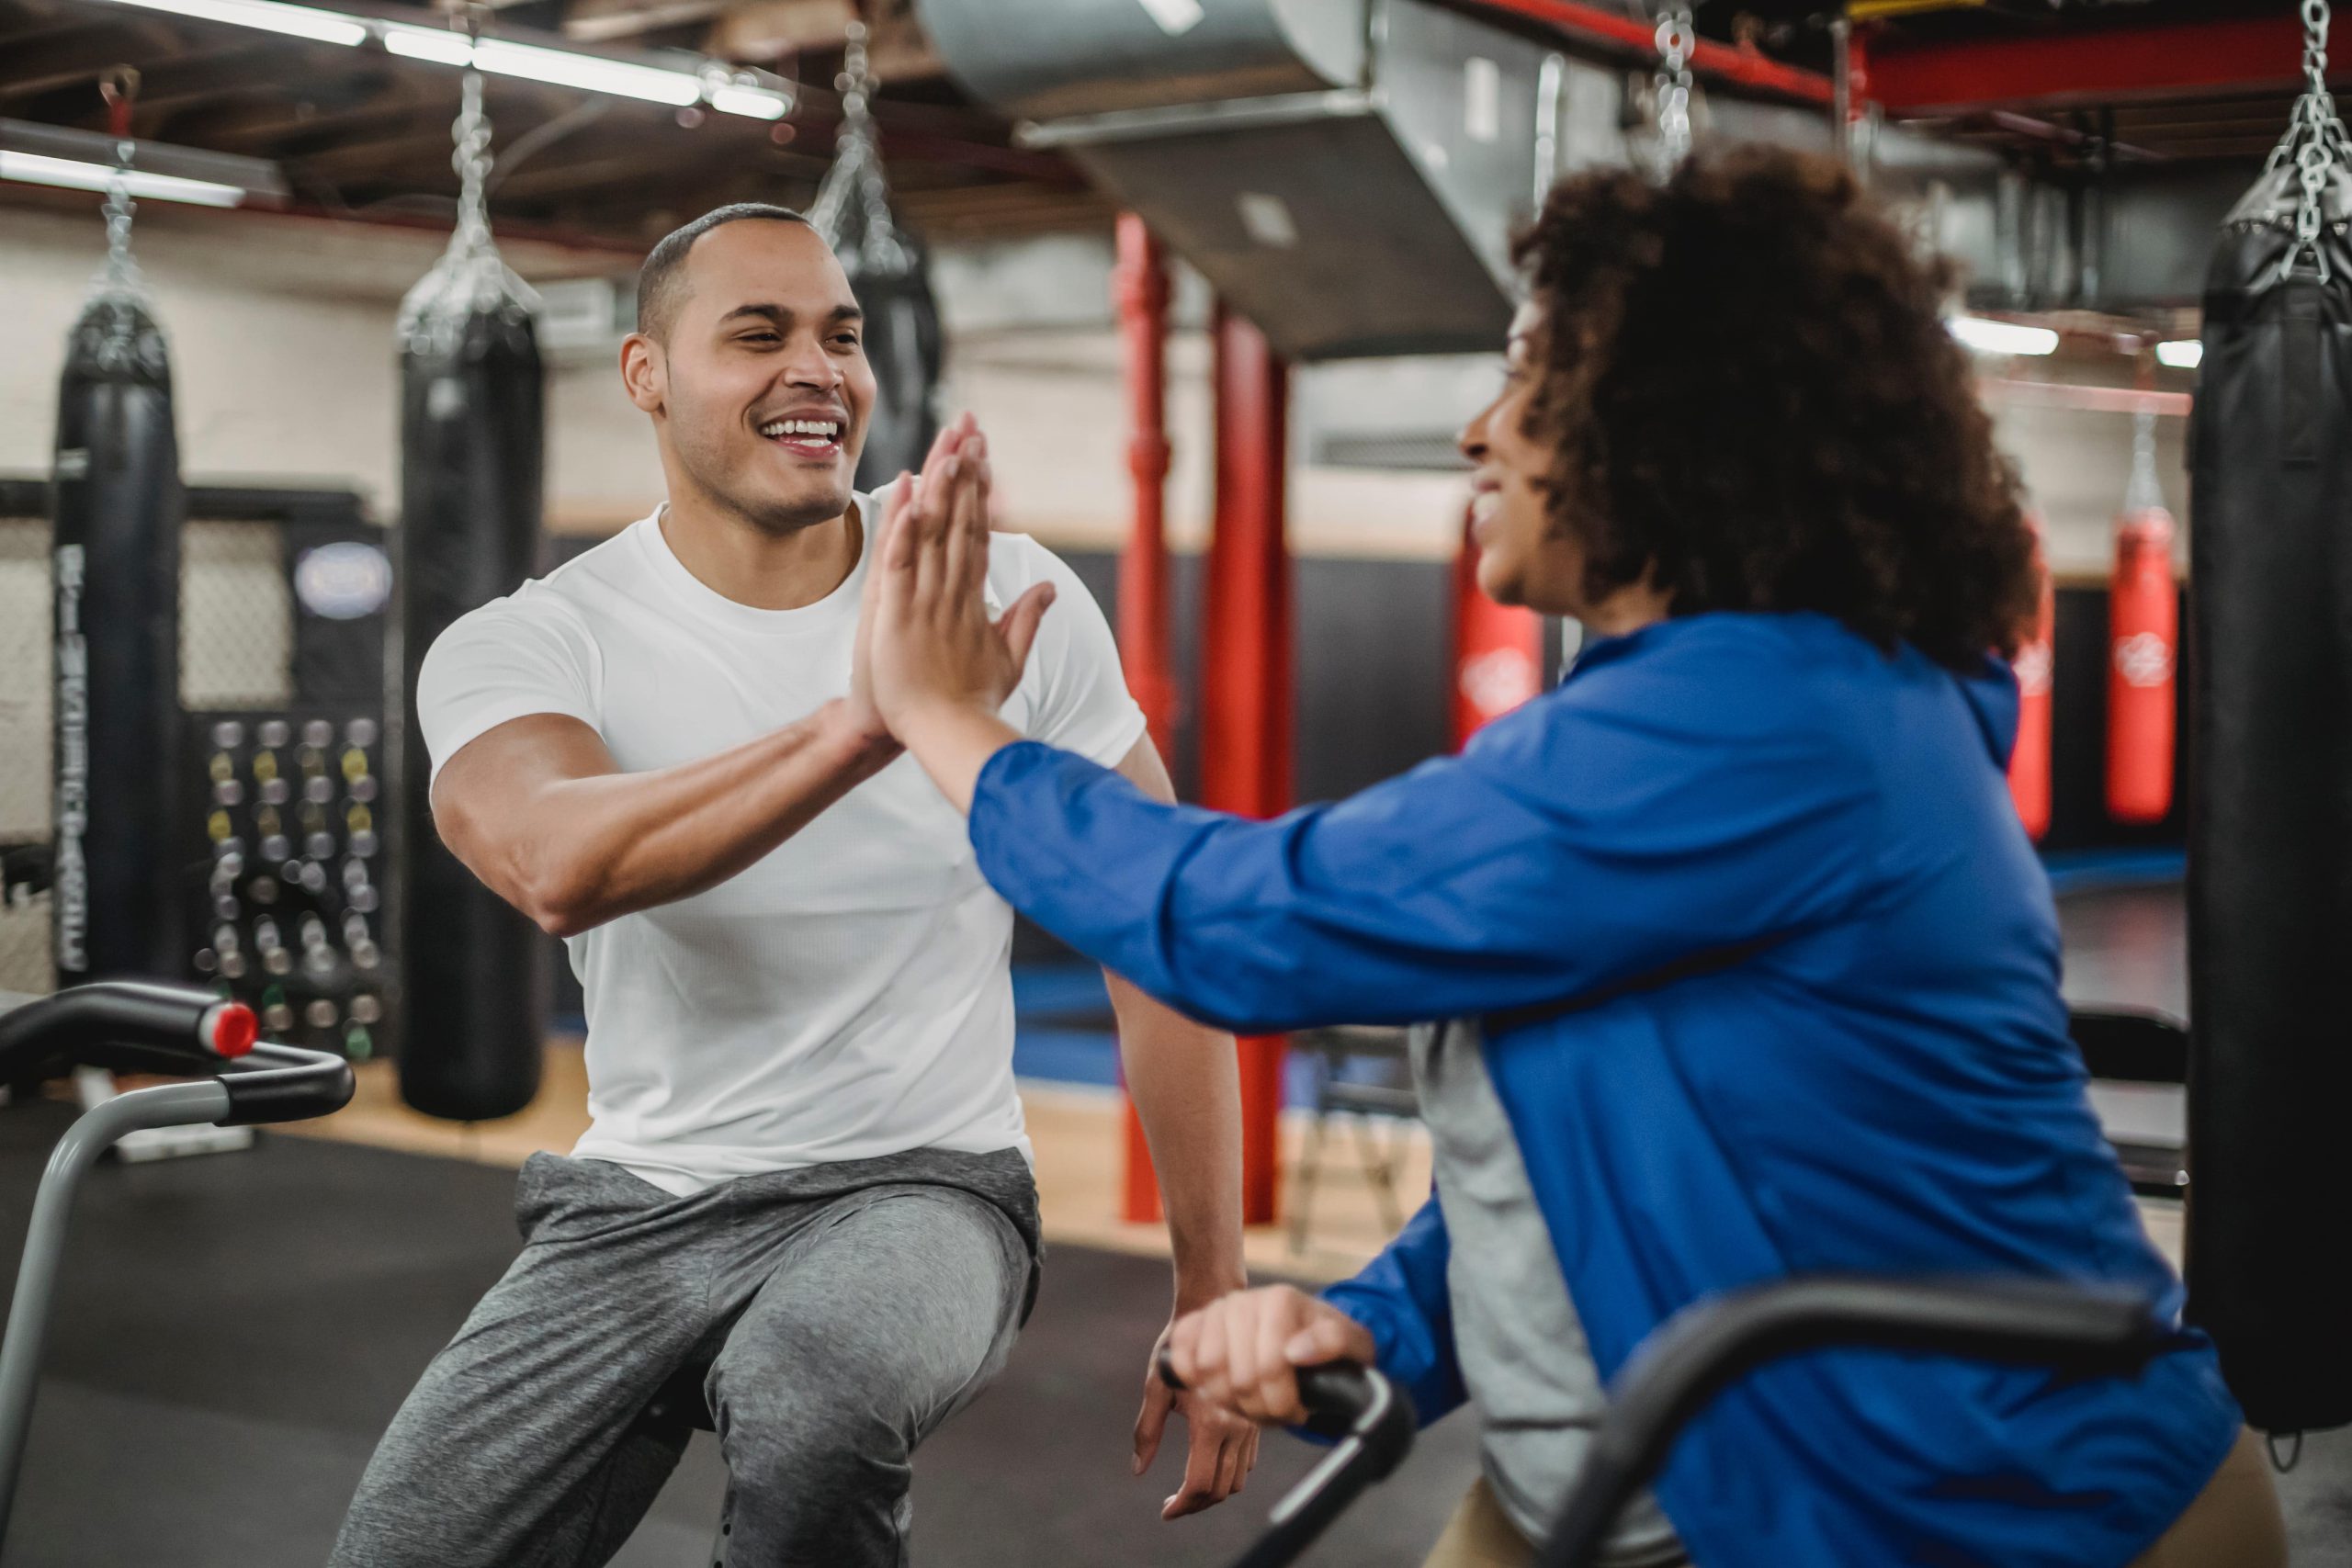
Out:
{"x": 932, "y": 667}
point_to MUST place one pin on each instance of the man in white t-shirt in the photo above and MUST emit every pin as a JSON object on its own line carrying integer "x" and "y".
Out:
{"x": 807, "y": 1164}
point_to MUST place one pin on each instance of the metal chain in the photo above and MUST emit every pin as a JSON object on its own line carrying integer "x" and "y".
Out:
{"x": 119, "y": 207}
{"x": 1677, "y": 36}
{"x": 857, "y": 172}
{"x": 2316, "y": 141}
{"x": 471, "y": 160}
{"x": 120, "y": 268}
{"x": 2144, "y": 492}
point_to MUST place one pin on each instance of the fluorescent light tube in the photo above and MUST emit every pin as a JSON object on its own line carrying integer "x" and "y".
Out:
{"x": 2002, "y": 337}
{"x": 37, "y": 168}
{"x": 299, "y": 21}
{"x": 440, "y": 45}
{"x": 760, "y": 103}
{"x": 2181, "y": 354}
{"x": 589, "y": 72}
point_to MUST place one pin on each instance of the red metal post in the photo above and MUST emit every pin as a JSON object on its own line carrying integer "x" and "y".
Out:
{"x": 1497, "y": 651}
{"x": 1140, "y": 285}
{"x": 1247, "y": 676}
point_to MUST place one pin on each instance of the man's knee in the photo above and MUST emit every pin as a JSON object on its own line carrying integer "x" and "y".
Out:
{"x": 813, "y": 1466}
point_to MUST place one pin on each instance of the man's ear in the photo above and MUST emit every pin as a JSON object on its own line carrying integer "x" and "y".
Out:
{"x": 645, "y": 372}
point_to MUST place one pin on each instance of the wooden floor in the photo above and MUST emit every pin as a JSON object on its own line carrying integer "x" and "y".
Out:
{"x": 1079, "y": 1135}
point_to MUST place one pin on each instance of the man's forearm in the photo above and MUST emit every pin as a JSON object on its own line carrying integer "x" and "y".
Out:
{"x": 1185, "y": 1082}
{"x": 614, "y": 843}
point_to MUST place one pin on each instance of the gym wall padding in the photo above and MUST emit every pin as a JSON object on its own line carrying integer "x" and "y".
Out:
{"x": 2270, "y": 832}
{"x": 118, "y": 508}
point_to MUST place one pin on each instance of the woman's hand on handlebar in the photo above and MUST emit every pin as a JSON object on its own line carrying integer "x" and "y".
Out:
{"x": 1241, "y": 1351}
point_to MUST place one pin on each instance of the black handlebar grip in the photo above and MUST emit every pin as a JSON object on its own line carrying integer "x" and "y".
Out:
{"x": 1338, "y": 1397}
{"x": 286, "y": 1083}
{"x": 132, "y": 1026}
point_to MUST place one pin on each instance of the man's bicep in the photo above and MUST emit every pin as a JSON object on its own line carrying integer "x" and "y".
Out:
{"x": 493, "y": 792}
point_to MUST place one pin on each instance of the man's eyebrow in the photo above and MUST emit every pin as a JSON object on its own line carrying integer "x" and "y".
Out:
{"x": 783, "y": 316}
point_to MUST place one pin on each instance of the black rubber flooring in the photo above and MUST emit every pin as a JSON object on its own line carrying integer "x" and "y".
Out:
{"x": 233, "y": 1331}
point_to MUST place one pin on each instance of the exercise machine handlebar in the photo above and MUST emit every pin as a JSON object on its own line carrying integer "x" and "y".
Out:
{"x": 130, "y": 1025}
{"x": 1371, "y": 1422}
{"x": 1705, "y": 1348}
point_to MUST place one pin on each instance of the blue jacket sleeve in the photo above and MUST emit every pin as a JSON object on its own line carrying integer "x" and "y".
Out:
{"x": 1593, "y": 838}
{"x": 1401, "y": 1297}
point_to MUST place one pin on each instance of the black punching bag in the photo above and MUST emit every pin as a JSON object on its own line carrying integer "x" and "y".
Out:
{"x": 116, "y": 574}
{"x": 903, "y": 342}
{"x": 891, "y": 279}
{"x": 2270, "y": 826}
{"x": 472, "y": 982}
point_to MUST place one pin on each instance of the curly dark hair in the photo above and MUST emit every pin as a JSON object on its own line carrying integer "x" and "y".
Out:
{"x": 1755, "y": 405}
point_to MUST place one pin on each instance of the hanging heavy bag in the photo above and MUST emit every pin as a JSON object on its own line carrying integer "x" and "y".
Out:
{"x": 115, "y": 563}
{"x": 891, "y": 278}
{"x": 2036, "y": 665}
{"x": 903, "y": 342}
{"x": 2143, "y": 641}
{"x": 473, "y": 986}
{"x": 2271, "y": 833}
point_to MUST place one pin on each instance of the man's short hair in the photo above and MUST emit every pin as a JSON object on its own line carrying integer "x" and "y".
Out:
{"x": 661, "y": 283}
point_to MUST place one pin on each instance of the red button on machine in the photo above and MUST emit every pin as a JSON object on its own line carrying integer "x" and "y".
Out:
{"x": 230, "y": 1029}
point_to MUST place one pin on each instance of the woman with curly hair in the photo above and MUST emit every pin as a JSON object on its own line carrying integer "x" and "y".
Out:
{"x": 1756, "y": 971}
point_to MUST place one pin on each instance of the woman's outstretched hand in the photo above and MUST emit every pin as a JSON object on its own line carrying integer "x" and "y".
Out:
{"x": 940, "y": 667}
{"x": 1243, "y": 1351}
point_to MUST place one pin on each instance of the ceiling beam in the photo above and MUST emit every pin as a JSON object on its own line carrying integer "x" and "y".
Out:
{"x": 897, "y": 48}
{"x": 1597, "y": 25}
{"x": 2095, "y": 64}
{"x": 69, "y": 56}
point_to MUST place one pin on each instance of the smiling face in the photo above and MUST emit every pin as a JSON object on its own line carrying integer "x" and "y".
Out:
{"x": 758, "y": 382}
{"x": 1523, "y": 558}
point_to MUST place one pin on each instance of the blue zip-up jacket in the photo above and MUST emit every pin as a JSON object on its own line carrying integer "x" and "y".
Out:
{"x": 1823, "y": 1031}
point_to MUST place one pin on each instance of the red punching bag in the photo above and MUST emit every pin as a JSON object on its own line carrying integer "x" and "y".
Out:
{"x": 1497, "y": 651}
{"x": 2029, "y": 758}
{"x": 2143, "y": 639}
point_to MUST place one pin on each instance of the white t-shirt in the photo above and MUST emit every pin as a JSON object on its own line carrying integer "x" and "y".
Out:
{"x": 849, "y": 995}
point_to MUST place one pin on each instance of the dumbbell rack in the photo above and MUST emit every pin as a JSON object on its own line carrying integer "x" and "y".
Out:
{"x": 286, "y": 911}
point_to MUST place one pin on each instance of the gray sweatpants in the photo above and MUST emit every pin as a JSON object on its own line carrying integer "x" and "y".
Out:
{"x": 846, "y": 1311}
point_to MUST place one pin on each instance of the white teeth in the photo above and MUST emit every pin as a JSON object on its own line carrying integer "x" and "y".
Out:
{"x": 824, "y": 429}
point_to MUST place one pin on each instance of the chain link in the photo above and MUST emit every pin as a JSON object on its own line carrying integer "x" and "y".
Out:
{"x": 2316, "y": 142}
{"x": 472, "y": 163}
{"x": 121, "y": 270}
{"x": 1677, "y": 37}
{"x": 857, "y": 173}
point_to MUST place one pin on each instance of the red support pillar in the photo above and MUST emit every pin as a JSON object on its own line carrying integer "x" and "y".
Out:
{"x": 1497, "y": 649}
{"x": 1140, "y": 285}
{"x": 1247, "y": 676}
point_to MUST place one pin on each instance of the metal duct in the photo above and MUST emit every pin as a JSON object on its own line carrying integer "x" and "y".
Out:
{"x": 1346, "y": 173}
